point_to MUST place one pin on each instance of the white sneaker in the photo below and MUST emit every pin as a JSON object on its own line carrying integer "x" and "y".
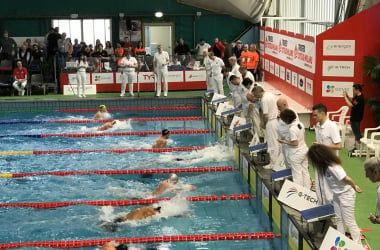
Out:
{"x": 22, "y": 92}
{"x": 121, "y": 95}
{"x": 165, "y": 94}
{"x": 131, "y": 94}
{"x": 83, "y": 95}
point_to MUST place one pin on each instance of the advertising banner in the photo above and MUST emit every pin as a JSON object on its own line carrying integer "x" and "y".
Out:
{"x": 335, "y": 88}
{"x": 301, "y": 82}
{"x": 73, "y": 78}
{"x": 102, "y": 78}
{"x": 282, "y": 72}
{"x": 300, "y": 53}
{"x": 338, "y": 68}
{"x": 339, "y": 47}
{"x": 309, "y": 86}
{"x": 73, "y": 90}
{"x": 297, "y": 196}
{"x": 175, "y": 76}
{"x": 195, "y": 76}
{"x": 335, "y": 240}
{"x": 146, "y": 77}
{"x": 118, "y": 79}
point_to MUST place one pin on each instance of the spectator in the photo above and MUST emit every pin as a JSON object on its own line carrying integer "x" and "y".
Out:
{"x": 182, "y": 51}
{"x": 24, "y": 55}
{"x": 217, "y": 48}
{"x": 238, "y": 49}
{"x": 255, "y": 61}
{"x": 20, "y": 75}
{"x": 119, "y": 51}
{"x": 227, "y": 53}
{"x": 127, "y": 43}
{"x": 201, "y": 46}
{"x": 8, "y": 47}
{"x": 372, "y": 172}
{"x": 37, "y": 54}
{"x": 329, "y": 168}
{"x": 53, "y": 42}
{"x": 140, "y": 49}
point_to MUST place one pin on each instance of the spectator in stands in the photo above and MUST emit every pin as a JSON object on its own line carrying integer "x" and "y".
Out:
{"x": 20, "y": 75}
{"x": 227, "y": 53}
{"x": 119, "y": 51}
{"x": 36, "y": 54}
{"x": 28, "y": 43}
{"x": 234, "y": 66}
{"x": 238, "y": 49}
{"x": 76, "y": 48}
{"x": 329, "y": 168}
{"x": 97, "y": 44}
{"x": 255, "y": 61}
{"x": 201, "y": 46}
{"x": 24, "y": 55}
{"x": 269, "y": 123}
{"x": 8, "y": 47}
{"x": 127, "y": 66}
{"x": 246, "y": 74}
{"x": 356, "y": 103}
{"x": 216, "y": 76}
{"x": 64, "y": 44}
{"x": 296, "y": 149}
{"x": 82, "y": 66}
{"x": 181, "y": 51}
{"x": 101, "y": 55}
{"x": 160, "y": 66}
{"x": 244, "y": 55}
{"x": 372, "y": 172}
{"x": 217, "y": 48}
{"x": 46, "y": 41}
{"x": 140, "y": 49}
{"x": 192, "y": 64}
{"x": 53, "y": 42}
{"x": 127, "y": 43}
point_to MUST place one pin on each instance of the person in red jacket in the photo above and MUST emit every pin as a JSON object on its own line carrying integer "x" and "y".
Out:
{"x": 20, "y": 75}
{"x": 217, "y": 48}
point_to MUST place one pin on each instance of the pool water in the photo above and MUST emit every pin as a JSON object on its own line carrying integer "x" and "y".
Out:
{"x": 80, "y": 222}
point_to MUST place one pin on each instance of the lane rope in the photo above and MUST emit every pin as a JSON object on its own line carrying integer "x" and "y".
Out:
{"x": 116, "y": 203}
{"x": 140, "y": 133}
{"x": 183, "y": 118}
{"x": 81, "y": 151}
{"x": 146, "y": 239}
{"x": 133, "y": 108}
{"x": 125, "y": 172}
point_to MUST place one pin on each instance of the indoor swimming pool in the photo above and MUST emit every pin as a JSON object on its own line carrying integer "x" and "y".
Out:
{"x": 31, "y": 143}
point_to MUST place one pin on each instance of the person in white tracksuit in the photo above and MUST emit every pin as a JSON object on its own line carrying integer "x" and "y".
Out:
{"x": 296, "y": 150}
{"x": 207, "y": 64}
{"x": 160, "y": 64}
{"x": 81, "y": 65}
{"x": 216, "y": 76}
{"x": 269, "y": 123}
{"x": 127, "y": 66}
{"x": 329, "y": 167}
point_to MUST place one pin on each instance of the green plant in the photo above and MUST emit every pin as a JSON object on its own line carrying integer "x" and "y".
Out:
{"x": 371, "y": 66}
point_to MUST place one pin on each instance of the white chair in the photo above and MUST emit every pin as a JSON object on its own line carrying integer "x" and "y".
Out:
{"x": 340, "y": 117}
{"x": 366, "y": 140}
{"x": 373, "y": 145}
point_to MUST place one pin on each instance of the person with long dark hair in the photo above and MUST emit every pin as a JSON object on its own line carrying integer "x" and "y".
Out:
{"x": 329, "y": 168}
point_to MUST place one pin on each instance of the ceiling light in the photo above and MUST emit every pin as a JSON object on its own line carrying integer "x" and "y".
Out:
{"x": 158, "y": 14}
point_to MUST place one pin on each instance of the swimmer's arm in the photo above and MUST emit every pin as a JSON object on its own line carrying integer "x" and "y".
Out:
{"x": 190, "y": 187}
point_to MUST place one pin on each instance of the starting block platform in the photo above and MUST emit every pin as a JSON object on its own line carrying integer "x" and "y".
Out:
{"x": 318, "y": 213}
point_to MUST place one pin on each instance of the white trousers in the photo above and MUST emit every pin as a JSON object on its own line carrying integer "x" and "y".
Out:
{"x": 322, "y": 190}
{"x": 208, "y": 83}
{"x": 216, "y": 83}
{"x": 271, "y": 136}
{"x": 127, "y": 76}
{"x": 20, "y": 86}
{"x": 297, "y": 160}
{"x": 162, "y": 77}
{"x": 81, "y": 79}
{"x": 344, "y": 207}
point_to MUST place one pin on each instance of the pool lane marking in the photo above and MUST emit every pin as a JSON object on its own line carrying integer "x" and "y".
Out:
{"x": 181, "y": 118}
{"x": 47, "y": 205}
{"x": 140, "y": 133}
{"x": 133, "y": 108}
{"x": 81, "y": 151}
{"x": 129, "y": 171}
{"x": 145, "y": 239}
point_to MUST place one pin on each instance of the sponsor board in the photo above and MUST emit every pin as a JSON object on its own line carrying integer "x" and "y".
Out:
{"x": 271, "y": 67}
{"x": 338, "y": 68}
{"x": 266, "y": 64}
{"x": 335, "y": 240}
{"x": 237, "y": 121}
{"x": 277, "y": 70}
{"x": 118, "y": 79}
{"x": 73, "y": 78}
{"x": 294, "y": 79}
{"x": 297, "y": 196}
{"x": 339, "y": 47}
{"x": 335, "y": 88}
{"x": 146, "y": 77}
{"x": 301, "y": 82}
{"x": 102, "y": 78}
{"x": 195, "y": 75}
{"x": 282, "y": 72}
{"x": 175, "y": 76}
{"x": 73, "y": 90}
{"x": 288, "y": 76}
{"x": 309, "y": 86}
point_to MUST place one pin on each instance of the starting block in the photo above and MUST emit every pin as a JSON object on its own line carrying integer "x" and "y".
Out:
{"x": 318, "y": 213}
{"x": 282, "y": 174}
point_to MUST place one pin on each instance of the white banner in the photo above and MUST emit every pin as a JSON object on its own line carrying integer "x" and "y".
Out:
{"x": 288, "y": 76}
{"x": 335, "y": 89}
{"x": 297, "y": 196}
{"x": 277, "y": 70}
{"x": 195, "y": 76}
{"x": 301, "y": 82}
{"x": 339, "y": 47}
{"x": 294, "y": 79}
{"x": 309, "y": 86}
{"x": 73, "y": 90}
{"x": 336, "y": 240}
{"x": 282, "y": 72}
{"x": 266, "y": 64}
{"x": 146, "y": 77}
{"x": 175, "y": 76}
{"x": 73, "y": 78}
{"x": 118, "y": 79}
{"x": 222, "y": 107}
{"x": 102, "y": 78}
{"x": 297, "y": 52}
{"x": 271, "y": 67}
{"x": 237, "y": 121}
{"x": 338, "y": 68}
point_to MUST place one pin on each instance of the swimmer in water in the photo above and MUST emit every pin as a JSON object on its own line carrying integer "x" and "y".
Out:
{"x": 162, "y": 140}
{"x": 168, "y": 184}
{"x": 107, "y": 125}
{"x": 116, "y": 246}
{"x": 102, "y": 112}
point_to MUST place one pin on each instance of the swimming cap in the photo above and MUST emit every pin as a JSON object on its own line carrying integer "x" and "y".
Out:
{"x": 102, "y": 107}
{"x": 114, "y": 122}
{"x": 173, "y": 178}
{"x": 165, "y": 132}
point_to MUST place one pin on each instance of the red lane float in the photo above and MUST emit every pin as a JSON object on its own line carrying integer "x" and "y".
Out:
{"x": 153, "y": 150}
{"x": 129, "y": 171}
{"x": 141, "y": 133}
{"x": 116, "y": 203}
{"x": 145, "y": 239}
{"x": 183, "y": 118}
{"x": 132, "y": 108}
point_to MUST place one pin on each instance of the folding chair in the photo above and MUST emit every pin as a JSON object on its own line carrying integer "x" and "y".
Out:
{"x": 365, "y": 140}
{"x": 340, "y": 117}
